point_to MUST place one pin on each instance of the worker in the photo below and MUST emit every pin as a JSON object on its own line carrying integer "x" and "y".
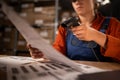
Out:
{"x": 74, "y": 42}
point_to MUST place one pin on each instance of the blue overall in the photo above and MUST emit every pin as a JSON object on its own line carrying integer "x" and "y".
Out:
{"x": 79, "y": 50}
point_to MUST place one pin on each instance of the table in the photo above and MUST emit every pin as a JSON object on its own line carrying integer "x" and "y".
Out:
{"x": 102, "y": 65}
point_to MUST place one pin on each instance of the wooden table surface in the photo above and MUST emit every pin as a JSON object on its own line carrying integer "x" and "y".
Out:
{"x": 102, "y": 65}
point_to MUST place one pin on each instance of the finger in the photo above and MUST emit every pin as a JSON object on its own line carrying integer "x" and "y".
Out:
{"x": 79, "y": 32}
{"x": 28, "y": 45}
{"x": 77, "y": 29}
{"x": 33, "y": 49}
{"x": 32, "y": 52}
{"x": 37, "y": 55}
{"x": 36, "y": 51}
{"x": 81, "y": 37}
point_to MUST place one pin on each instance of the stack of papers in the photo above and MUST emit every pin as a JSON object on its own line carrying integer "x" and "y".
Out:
{"x": 27, "y": 68}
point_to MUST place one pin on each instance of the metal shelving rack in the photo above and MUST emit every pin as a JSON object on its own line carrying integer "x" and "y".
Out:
{"x": 15, "y": 51}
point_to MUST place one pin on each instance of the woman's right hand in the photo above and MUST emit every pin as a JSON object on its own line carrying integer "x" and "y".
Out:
{"x": 34, "y": 52}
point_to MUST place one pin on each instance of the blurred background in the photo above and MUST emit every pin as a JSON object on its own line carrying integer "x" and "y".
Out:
{"x": 44, "y": 16}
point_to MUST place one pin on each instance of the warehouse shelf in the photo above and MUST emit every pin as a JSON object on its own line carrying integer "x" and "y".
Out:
{"x": 46, "y": 28}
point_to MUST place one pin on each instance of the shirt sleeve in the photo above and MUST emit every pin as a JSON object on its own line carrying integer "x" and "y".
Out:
{"x": 113, "y": 43}
{"x": 59, "y": 42}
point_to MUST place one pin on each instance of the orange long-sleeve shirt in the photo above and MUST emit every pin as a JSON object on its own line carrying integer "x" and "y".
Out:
{"x": 112, "y": 33}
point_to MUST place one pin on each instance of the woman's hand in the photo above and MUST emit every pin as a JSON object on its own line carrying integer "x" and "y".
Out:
{"x": 87, "y": 33}
{"x": 84, "y": 32}
{"x": 34, "y": 52}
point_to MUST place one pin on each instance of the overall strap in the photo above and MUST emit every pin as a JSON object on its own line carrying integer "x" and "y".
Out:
{"x": 103, "y": 29}
{"x": 105, "y": 24}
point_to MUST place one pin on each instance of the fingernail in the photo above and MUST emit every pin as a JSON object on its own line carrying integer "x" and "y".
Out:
{"x": 74, "y": 34}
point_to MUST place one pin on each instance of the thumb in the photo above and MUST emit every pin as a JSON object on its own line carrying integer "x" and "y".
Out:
{"x": 28, "y": 45}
